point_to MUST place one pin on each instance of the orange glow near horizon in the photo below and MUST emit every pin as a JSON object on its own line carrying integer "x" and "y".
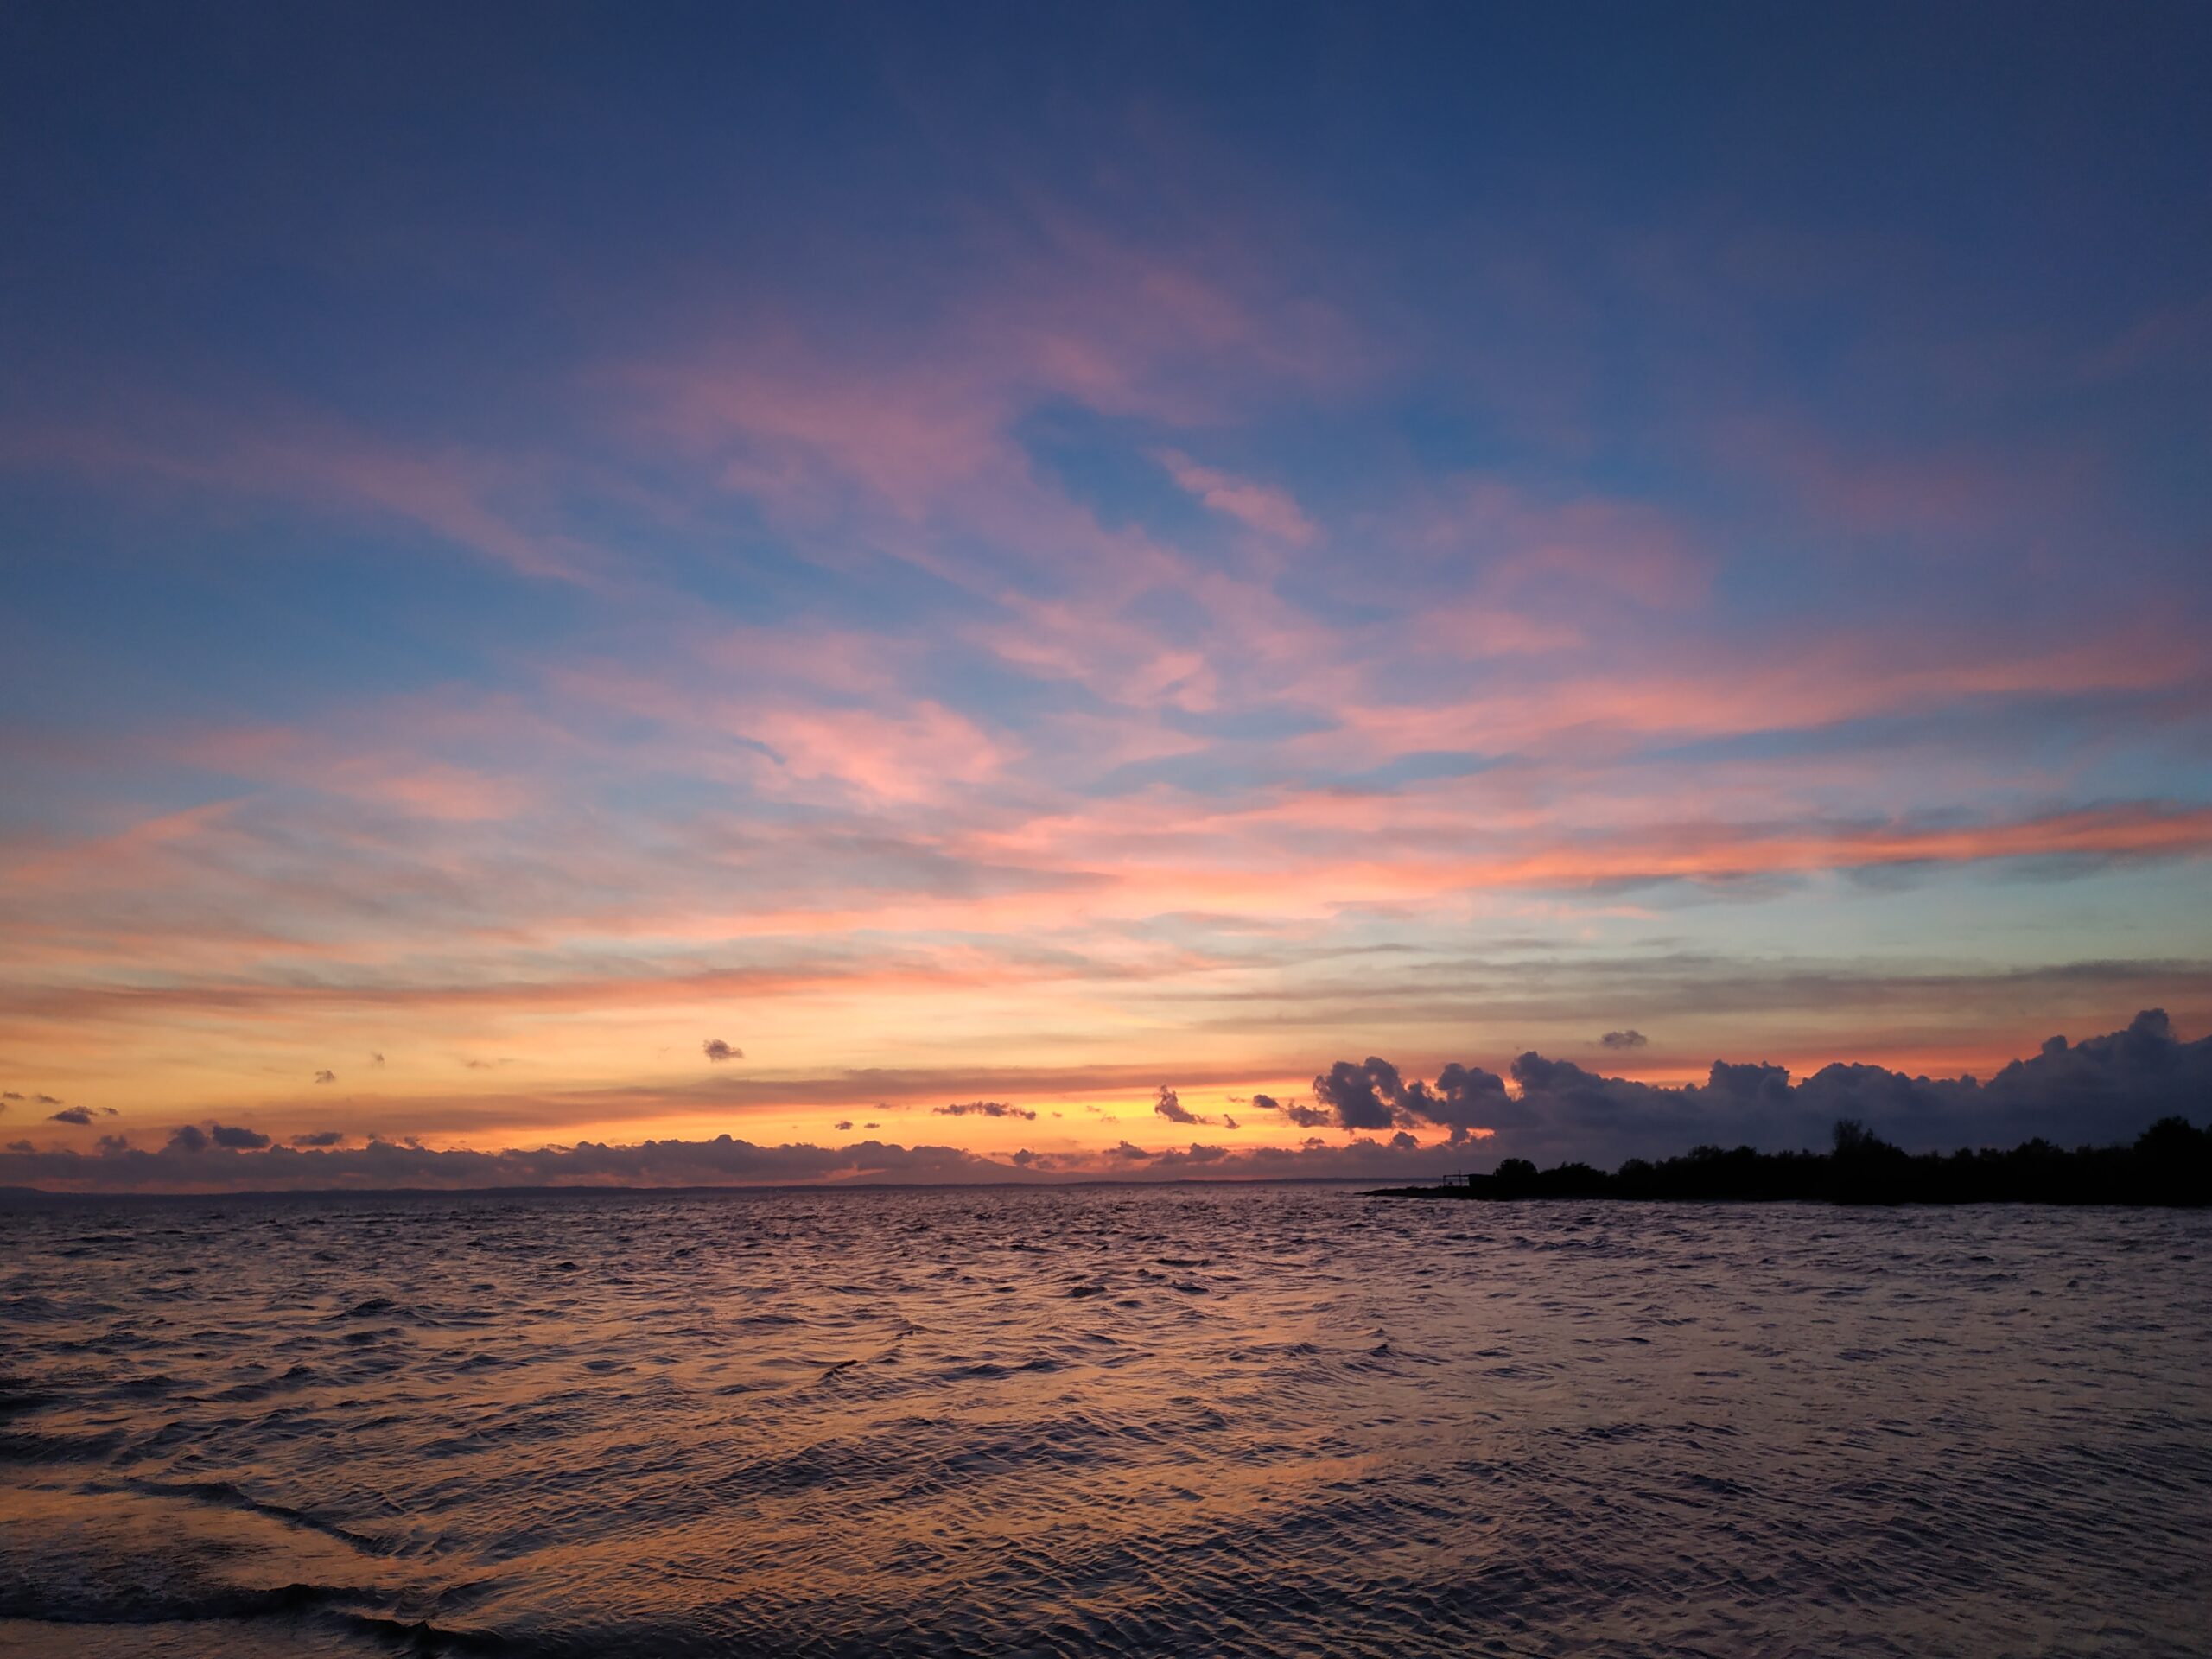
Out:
{"x": 1137, "y": 615}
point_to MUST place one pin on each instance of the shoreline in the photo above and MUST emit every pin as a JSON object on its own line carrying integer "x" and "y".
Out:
{"x": 1465, "y": 1194}
{"x": 2169, "y": 1167}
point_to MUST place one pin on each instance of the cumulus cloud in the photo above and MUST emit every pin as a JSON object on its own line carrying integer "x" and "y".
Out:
{"x": 983, "y": 1108}
{"x": 2102, "y": 1091}
{"x": 1758, "y": 1084}
{"x": 321, "y": 1138}
{"x": 76, "y": 1115}
{"x": 844, "y": 1124}
{"x": 1193, "y": 1156}
{"x": 46, "y": 1100}
{"x": 9, "y": 1095}
{"x": 2106, "y": 1090}
{"x": 1297, "y": 1111}
{"x": 1170, "y": 1106}
{"x": 190, "y": 1140}
{"x": 718, "y": 1051}
{"x": 375, "y": 1059}
{"x": 1463, "y": 1098}
{"x": 1623, "y": 1040}
{"x": 326, "y": 1076}
{"x": 1363, "y": 1095}
{"x": 1373, "y": 1094}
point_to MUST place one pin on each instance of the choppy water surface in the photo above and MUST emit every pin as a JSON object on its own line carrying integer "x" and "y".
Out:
{"x": 1259, "y": 1421}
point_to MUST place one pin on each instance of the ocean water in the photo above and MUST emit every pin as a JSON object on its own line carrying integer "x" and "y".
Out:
{"x": 1221, "y": 1420}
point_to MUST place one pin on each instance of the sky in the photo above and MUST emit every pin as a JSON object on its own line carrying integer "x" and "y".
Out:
{"x": 990, "y": 591}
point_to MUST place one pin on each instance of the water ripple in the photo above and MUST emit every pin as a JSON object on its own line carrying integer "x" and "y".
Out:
{"x": 1266, "y": 1422}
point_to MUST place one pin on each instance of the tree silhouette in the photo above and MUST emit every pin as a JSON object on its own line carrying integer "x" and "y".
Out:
{"x": 2170, "y": 1163}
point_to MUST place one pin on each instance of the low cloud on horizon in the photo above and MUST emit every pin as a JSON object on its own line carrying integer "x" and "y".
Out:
{"x": 1274, "y": 580}
{"x": 2103, "y": 1089}
{"x": 2099, "y": 1090}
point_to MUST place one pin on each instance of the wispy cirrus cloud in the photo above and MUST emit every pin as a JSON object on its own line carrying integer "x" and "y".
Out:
{"x": 1155, "y": 595}
{"x": 316, "y": 463}
{"x": 1264, "y": 508}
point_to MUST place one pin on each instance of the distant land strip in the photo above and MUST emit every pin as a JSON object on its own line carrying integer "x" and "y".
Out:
{"x": 2168, "y": 1164}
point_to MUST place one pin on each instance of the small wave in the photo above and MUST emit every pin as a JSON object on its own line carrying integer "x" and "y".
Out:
{"x": 17, "y": 1397}
{"x": 19, "y": 1446}
{"x": 143, "y": 1604}
{"x": 814, "y": 1437}
{"x": 222, "y": 1494}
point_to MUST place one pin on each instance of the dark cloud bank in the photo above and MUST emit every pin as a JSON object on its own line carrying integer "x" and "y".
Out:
{"x": 2102, "y": 1091}
{"x": 2107, "y": 1089}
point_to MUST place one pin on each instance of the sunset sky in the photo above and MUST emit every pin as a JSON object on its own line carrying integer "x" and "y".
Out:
{"x": 658, "y": 573}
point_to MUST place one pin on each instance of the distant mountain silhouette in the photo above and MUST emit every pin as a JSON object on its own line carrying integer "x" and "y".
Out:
{"x": 2170, "y": 1163}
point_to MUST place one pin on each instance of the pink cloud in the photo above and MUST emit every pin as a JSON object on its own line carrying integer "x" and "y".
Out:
{"x": 1259, "y": 507}
{"x": 393, "y": 778}
{"x": 1937, "y": 493}
{"x": 1684, "y": 686}
{"x": 324, "y": 464}
{"x": 911, "y": 756}
{"x": 2172, "y": 336}
{"x": 1585, "y": 551}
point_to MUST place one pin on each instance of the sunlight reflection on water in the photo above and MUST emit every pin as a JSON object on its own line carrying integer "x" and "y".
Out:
{"x": 1273, "y": 1420}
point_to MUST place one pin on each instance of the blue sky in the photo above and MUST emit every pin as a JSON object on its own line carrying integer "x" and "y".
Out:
{"x": 1042, "y": 552}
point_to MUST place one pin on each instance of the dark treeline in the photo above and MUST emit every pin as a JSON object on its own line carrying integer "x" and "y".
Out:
{"x": 2170, "y": 1163}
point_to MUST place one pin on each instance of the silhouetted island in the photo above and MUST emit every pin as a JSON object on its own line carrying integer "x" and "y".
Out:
{"x": 2170, "y": 1163}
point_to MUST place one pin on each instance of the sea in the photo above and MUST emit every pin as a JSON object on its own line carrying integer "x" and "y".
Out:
{"x": 1191, "y": 1420}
